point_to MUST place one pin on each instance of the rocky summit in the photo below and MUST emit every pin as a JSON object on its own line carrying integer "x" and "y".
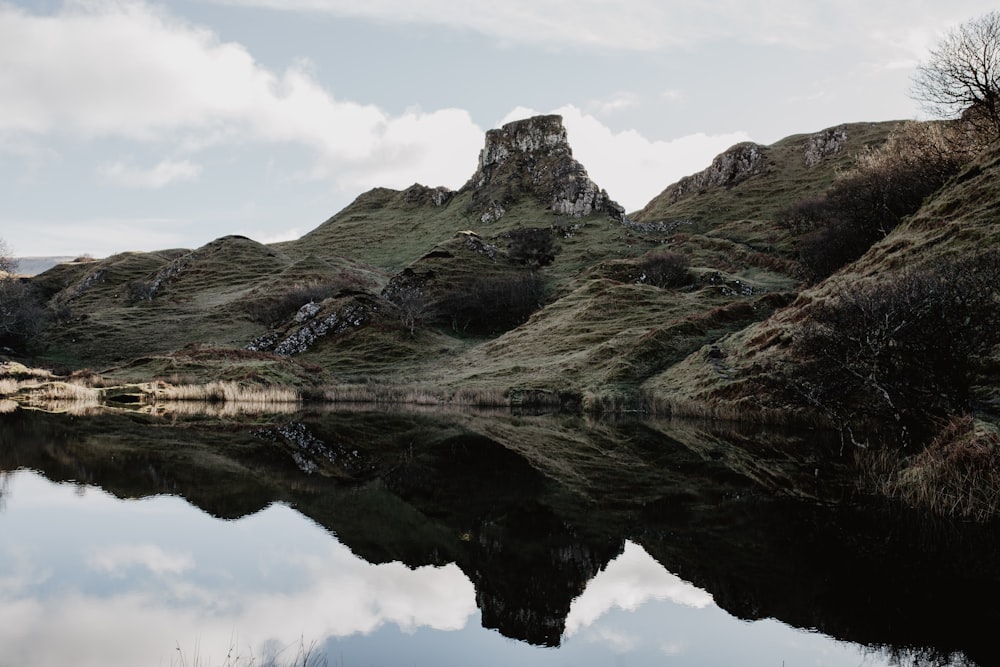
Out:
{"x": 532, "y": 158}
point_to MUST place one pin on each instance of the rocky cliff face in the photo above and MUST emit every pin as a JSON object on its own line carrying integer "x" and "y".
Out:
{"x": 822, "y": 144}
{"x": 532, "y": 159}
{"x": 727, "y": 169}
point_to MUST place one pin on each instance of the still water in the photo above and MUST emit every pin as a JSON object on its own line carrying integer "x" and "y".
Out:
{"x": 117, "y": 549}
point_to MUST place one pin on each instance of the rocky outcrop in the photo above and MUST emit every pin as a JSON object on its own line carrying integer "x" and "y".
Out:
{"x": 828, "y": 142}
{"x": 730, "y": 168}
{"x": 313, "y": 322}
{"x": 421, "y": 194}
{"x": 532, "y": 159}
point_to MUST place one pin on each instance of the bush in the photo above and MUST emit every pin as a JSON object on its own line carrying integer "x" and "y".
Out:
{"x": 664, "y": 268}
{"x": 531, "y": 246}
{"x": 900, "y": 355}
{"x": 22, "y": 313}
{"x": 491, "y": 304}
{"x": 279, "y": 306}
{"x": 886, "y": 185}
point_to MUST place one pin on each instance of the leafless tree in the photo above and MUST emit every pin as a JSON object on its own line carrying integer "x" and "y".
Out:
{"x": 962, "y": 75}
{"x": 8, "y": 264}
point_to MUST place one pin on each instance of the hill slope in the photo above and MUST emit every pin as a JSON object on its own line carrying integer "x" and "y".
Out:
{"x": 432, "y": 285}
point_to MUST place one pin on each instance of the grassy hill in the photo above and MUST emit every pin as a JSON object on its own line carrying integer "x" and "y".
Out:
{"x": 528, "y": 213}
{"x": 530, "y": 285}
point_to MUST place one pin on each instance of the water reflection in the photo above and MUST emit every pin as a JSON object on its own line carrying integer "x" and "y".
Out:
{"x": 123, "y": 582}
{"x": 403, "y": 535}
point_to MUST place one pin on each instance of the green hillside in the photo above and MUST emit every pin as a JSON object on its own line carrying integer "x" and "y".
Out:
{"x": 529, "y": 286}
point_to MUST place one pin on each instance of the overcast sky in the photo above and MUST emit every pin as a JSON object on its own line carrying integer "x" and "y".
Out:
{"x": 134, "y": 125}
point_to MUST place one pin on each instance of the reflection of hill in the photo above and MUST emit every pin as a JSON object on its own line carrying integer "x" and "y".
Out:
{"x": 486, "y": 492}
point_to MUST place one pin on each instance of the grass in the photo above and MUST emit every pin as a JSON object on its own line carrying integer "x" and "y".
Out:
{"x": 304, "y": 656}
{"x": 956, "y": 476}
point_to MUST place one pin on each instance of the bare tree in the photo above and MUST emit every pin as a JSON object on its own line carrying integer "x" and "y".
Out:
{"x": 962, "y": 75}
{"x": 8, "y": 264}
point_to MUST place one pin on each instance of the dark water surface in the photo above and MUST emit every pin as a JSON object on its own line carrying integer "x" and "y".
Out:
{"x": 390, "y": 538}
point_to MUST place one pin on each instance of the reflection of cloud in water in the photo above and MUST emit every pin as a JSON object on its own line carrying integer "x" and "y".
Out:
{"x": 299, "y": 585}
{"x": 114, "y": 559}
{"x": 626, "y": 583}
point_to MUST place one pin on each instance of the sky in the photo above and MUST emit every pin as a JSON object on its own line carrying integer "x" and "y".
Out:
{"x": 144, "y": 125}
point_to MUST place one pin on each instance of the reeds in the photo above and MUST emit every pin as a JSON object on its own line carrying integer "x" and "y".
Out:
{"x": 956, "y": 476}
{"x": 226, "y": 392}
{"x": 423, "y": 395}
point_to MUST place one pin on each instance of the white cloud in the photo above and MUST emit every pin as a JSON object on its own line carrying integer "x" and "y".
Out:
{"x": 629, "y": 581}
{"x": 672, "y": 95}
{"x": 116, "y": 558}
{"x": 158, "y": 176}
{"x": 305, "y": 585}
{"x": 98, "y": 237}
{"x": 614, "y": 104}
{"x": 644, "y": 25}
{"x": 102, "y": 69}
{"x": 632, "y": 168}
{"x": 272, "y": 236}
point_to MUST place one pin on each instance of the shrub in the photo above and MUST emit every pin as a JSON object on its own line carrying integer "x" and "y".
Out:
{"x": 900, "y": 355}
{"x": 412, "y": 306}
{"x": 886, "y": 185}
{"x": 491, "y": 304}
{"x": 279, "y": 306}
{"x": 22, "y": 313}
{"x": 531, "y": 246}
{"x": 664, "y": 268}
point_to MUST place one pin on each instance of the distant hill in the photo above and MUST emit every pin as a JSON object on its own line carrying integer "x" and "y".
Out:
{"x": 32, "y": 266}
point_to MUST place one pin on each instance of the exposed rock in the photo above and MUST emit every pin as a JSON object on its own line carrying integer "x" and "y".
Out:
{"x": 532, "y": 158}
{"x": 730, "y": 168}
{"x": 308, "y": 327}
{"x": 310, "y": 453}
{"x": 421, "y": 194}
{"x": 822, "y": 144}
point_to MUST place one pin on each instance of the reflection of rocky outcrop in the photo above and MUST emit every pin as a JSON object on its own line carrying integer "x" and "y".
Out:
{"x": 532, "y": 158}
{"x": 434, "y": 489}
{"x": 528, "y": 567}
{"x": 526, "y": 562}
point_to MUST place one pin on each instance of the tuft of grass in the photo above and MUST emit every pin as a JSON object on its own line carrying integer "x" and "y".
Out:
{"x": 304, "y": 656}
{"x": 957, "y": 475}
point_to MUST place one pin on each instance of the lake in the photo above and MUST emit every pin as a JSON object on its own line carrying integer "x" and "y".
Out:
{"x": 407, "y": 538}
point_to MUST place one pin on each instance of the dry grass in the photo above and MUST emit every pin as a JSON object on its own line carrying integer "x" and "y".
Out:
{"x": 226, "y": 392}
{"x": 426, "y": 395}
{"x": 957, "y": 475}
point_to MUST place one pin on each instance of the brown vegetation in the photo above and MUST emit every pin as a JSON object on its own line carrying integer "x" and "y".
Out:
{"x": 898, "y": 356}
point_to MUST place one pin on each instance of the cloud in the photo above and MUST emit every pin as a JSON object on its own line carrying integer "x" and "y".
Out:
{"x": 304, "y": 584}
{"x": 614, "y": 104}
{"x": 99, "y": 236}
{"x": 161, "y": 175}
{"x": 632, "y": 168}
{"x": 128, "y": 70}
{"x": 312, "y": 587}
{"x": 629, "y": 581}
{"x": 640, "y": 25}
{"x": 114, "y": 559}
